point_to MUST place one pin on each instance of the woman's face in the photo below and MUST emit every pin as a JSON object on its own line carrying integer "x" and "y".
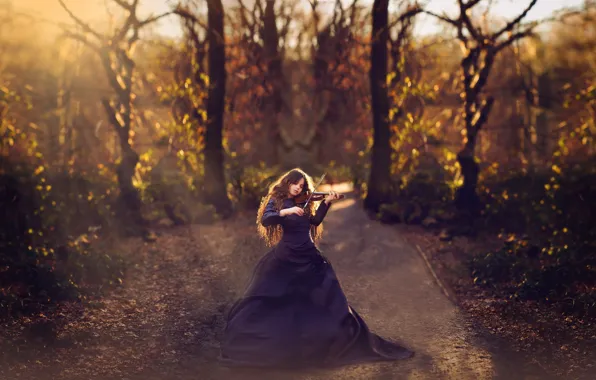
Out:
{"x": 296, "y": 188}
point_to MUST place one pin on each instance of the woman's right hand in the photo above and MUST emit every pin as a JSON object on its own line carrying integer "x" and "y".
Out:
{"x": 292, "y": 210}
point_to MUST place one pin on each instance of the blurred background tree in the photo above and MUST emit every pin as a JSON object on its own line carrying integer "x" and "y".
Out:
{"x": 131, "y": 114}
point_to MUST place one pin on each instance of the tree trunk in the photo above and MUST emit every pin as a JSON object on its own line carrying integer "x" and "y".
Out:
{"x": 115, "y": 54}
{"x": 129, "y": 196}
{"x": 215, "y": 183}
{"x": 120, "y": 73}
{"x": 128, "y": 193}
{"x": 466, "y": 197}
{"x": 476, "y": 68}
{"x": 379, "y": 182}
{"x": 273, "y": 102}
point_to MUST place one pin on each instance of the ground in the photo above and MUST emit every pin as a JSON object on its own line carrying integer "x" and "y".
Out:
{"x": 165, "y": 321}
{"x": 562, "y": 344}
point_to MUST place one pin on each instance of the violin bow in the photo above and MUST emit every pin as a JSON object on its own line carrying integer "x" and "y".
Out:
{"x": 313, "y": 191}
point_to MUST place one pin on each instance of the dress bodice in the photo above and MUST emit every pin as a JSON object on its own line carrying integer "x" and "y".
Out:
{"x": 296, "y": 229}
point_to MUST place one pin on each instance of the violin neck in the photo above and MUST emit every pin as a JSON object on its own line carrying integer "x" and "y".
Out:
{"x": 341, "y": 196}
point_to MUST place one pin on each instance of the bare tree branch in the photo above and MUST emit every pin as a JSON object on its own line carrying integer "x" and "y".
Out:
{"x": 442, "y": 18}
{"x": 186, "y": 14}
{"x": 407, "y": 15}
{"x": 81, "y": 23}
{"x": 153, "y": 19}
{"x": 465, "y": 19}
{"x": 511, "y": 24}
{"x": 476, "y": 66}
{"x": 514, "y": 37}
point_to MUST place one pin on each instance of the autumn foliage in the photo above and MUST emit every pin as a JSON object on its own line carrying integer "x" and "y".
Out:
{"x": 104, "y": 132}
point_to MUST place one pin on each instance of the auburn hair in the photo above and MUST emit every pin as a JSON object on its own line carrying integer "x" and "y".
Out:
{"x": 279, "y": 190}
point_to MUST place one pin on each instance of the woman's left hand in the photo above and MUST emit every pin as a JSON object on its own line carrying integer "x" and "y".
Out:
{"x": 333, "y": 196}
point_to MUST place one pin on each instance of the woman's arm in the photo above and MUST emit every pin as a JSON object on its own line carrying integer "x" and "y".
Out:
{"x": 318, "y": 217}
{"x": 271, "y": 216}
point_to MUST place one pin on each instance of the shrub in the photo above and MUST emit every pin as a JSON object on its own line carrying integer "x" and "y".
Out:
{"x": 247, "y": 185}
{"x": 564, "y": 275}
{"x": 550, "y": 255}
{"x": 47, "y": 255}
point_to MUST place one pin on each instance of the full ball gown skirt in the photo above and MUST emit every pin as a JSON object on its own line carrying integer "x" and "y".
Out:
{"x": 294, "y": 313}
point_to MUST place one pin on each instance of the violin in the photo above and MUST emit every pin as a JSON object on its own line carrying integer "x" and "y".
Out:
{"x": 316, "y": 196}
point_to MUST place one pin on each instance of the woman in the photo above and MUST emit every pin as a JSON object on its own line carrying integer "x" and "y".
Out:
{"x": 294, "y": 312}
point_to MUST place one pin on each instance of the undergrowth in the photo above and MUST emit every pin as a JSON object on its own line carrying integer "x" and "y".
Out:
{"x": 548, "y": 225}
{"x": 46, "y": 241}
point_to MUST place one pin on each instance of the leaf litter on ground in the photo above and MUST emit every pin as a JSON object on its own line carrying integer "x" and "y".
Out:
{"x": 171, "y": 304}
{"x": 562, "y": 344}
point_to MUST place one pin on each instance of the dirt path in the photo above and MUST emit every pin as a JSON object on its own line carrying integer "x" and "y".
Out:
{"x": 165, "y": 322}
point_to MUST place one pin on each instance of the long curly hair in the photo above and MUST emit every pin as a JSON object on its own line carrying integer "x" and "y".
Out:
{"x": 278, "y": 191}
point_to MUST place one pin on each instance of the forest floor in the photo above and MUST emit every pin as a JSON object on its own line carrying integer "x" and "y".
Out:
{"x": 166, "y": 320}
{"x": 563, "y": 345}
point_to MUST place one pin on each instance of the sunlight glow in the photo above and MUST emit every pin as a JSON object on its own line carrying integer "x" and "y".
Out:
{"x": 344, "y": 203}
{"x": 96, "y": 12}
{"x": 343, "y": 187}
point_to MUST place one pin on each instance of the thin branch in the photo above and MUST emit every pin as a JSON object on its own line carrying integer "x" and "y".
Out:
{"x": 442, "y": 18}
{"x": 80, "y": 22}
{"x": 154, "y": 18}
{"x": 127, "y": 6}
{"x": 465, "y": 19}
{"x": 406, "y": 16}
{"x": 187, "y": 15}
{"x": 514, "y": 37}
{"x": 469, "y": 4}
{"x": 511, "y": 24}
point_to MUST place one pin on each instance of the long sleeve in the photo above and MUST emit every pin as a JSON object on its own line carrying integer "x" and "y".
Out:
{"x": 318, "y": 217}
{"x": 271, "y": 215}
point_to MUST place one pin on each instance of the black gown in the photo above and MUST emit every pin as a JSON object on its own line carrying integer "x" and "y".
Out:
{"x": 294, "y": 313}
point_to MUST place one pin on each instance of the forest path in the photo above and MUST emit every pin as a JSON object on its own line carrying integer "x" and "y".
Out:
{"x": 166, "y": 321}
